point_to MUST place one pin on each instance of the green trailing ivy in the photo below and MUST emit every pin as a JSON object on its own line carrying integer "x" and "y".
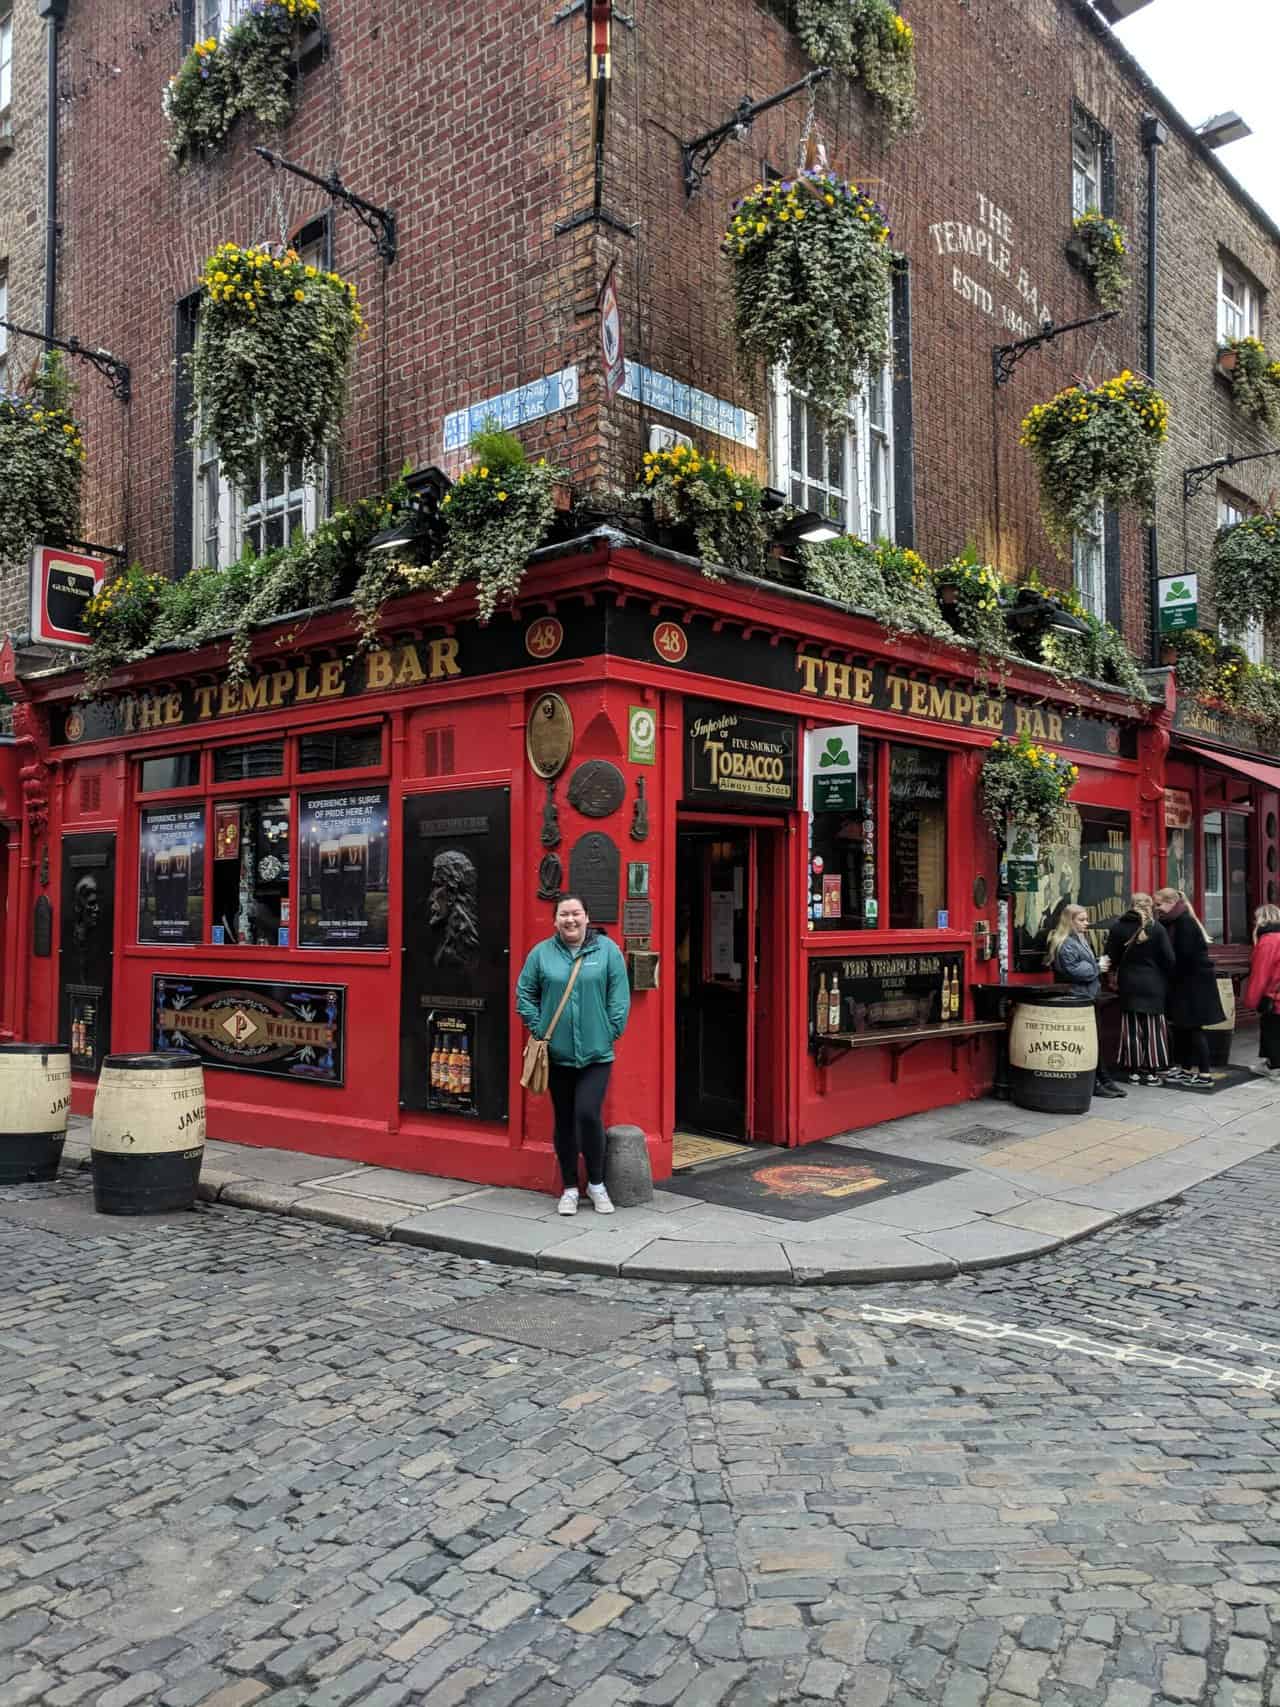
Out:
{"x": 269, "y": 372}
{"x": 1106, "y": 251}
{"x": 887, "y": 581}
{"x": 975, "y": 593}
{"x": 1095, "y": 446}
{"x": 721, "y": 506}
{"x": 1246, "y": 571}
{"x": 870, "y": 42}
{"x": 495, "y": 515}
{"x": 1100, "y": 655}
{"x": 811, "y": 272}
{"x": 1255, "y": 381}
{"x": 41, "y": 459}
{"x": 1217, "y": 674}
{"x": 246, "y": 72}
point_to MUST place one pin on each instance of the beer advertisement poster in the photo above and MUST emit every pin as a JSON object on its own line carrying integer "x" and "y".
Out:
{"x": 343, "y": 890}
{"x": 171, "y": 874}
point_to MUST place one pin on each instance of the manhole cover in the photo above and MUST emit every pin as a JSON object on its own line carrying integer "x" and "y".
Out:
{"x": 548, "y": 1321}
{"x": 981, "y": 1136}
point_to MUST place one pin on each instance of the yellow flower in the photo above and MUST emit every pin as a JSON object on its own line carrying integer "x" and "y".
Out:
{"x": 299, "y": 296}
{"x": 502, "y": 497}
{"x": 484, "y": 474}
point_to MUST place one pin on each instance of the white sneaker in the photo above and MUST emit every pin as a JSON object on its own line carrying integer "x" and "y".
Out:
{"x": 568, "y": 1204}
{"x": 1260, "y": 1069}
{"x": 600, "y": 1200}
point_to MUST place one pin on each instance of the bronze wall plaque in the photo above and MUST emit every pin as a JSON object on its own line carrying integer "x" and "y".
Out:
{"x": 550, "y": 877}
{"x": 597, "y": 788}
{"x": 549, "y": 735}
{"x": 593, "y": 874}
{"x": 637, "y": 918}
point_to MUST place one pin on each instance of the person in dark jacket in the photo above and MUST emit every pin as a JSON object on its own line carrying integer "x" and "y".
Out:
{"x": 1073, "y": 961}
{"x": 1194, "y": 1001}
{"x": 1141, "y": 957}
{"x": 1263, "y": 990}
{"x": 581, "y": 1047}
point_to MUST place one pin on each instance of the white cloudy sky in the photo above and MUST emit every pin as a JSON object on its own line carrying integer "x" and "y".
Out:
{"x": 1211, "y": 56}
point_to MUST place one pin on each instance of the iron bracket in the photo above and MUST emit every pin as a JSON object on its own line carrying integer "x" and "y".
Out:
{"x": 379, "y": 222}
{"x": 696, "y": 156}
{"x": 112, "y": 369}
{"x": 1005, "y": 357}
{"x": 1195, "y": 479}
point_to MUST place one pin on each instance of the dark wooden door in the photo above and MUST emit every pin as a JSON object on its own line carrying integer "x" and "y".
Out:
{"x": 86, "y": 954}
{"x": 713, "y": 965}
{"x": 456, "y": 986}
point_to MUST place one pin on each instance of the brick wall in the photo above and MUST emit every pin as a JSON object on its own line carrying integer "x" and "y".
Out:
{"x": 473, "y": 123}
{"x": 22, "y": 240}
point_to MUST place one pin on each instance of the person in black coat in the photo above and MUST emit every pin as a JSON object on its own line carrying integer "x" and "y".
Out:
{"x": 1194, "y": 1001}
{"x": 1142, "y": 959}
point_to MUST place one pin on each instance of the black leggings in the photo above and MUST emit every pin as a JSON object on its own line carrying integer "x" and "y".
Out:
{"x": 577, "y": 1094}
{"x": 1191, "y": 1047}
{"x": 1269, "y": 1037}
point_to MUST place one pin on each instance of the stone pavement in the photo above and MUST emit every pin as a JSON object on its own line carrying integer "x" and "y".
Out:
{"x": 248, "y": 1461}
{"x": 1030, "y": 1183}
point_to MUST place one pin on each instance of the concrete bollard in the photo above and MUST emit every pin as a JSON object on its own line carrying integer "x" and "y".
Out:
{"x": 627, "y": 1174}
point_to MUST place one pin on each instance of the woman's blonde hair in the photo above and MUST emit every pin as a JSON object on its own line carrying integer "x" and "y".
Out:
{"x": 1061, "y": 931}
{"x": 1180, "y": 895}
{"x": 1265, "y": 915}
{"x": 1144, "y": 906}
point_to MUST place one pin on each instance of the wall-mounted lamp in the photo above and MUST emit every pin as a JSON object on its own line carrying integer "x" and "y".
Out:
{"x": 1221, "y": 129}
{"x": 420, "y": 522}
{"x": 1031, "y": 612}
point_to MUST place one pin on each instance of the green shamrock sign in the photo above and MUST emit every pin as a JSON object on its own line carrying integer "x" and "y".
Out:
{"x": 834, "y": 753}
{"x": 1179, "y": 590}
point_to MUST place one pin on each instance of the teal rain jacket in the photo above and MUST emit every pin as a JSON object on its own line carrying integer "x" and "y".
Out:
{"x": 596, "y": 1015}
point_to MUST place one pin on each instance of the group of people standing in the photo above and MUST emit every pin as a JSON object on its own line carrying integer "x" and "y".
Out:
{"x": 1168, "y": 988}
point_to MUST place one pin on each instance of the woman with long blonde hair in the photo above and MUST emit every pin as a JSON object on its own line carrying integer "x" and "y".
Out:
{"x": 1263, "y": 990}
{"x": 1069, "y": 953}
{"x": 1142, "y": 956}
{"x": 1193, "y": 1001}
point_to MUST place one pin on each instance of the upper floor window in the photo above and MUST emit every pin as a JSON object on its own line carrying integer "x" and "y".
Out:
{"x": 6, "y": 61}
{"x": 1237, "y": 303}
{"x": 1092, "y": 173}
{"x": 1089, "y": 563}
{"x": 842, "y": 468}
{"x": 205, "y": 18}
{"x": 1251, "y": 639}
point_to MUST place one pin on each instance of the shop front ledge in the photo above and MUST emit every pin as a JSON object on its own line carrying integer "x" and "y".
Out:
{"x": 829, "y": 1046}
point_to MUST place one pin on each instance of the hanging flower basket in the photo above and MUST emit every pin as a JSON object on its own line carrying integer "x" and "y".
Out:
{"x": 811, "y": 264}
{"x": 1025, "y": 786}
{"x": 1097, "y": 245}
{"x": 496, "y": 515}
{"x": 719, "y": 506}
{"x": 1246, "y": 571}
{"x": 1255, "y": 380}
{"x": 870, "y": 42}
{"x": 246, "y": 72}
{"x": 273, "y": 347}
{"x": 1095, "y": 446}
{"x": 41, "y": 458}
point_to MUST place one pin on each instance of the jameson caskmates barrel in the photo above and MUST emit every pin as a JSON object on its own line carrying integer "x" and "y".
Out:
{"x": 1053, "y": 1054}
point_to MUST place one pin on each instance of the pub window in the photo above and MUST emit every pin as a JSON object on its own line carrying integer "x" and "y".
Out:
{"x": 1237, "y": 302}
{"x": 843, "y": 468}
{"x": 1092, "y": 165}
{"x": 1228, "y": 887}
{"x": 1086, "y": 862}
{"x": 343, "y": 888}
{"x": 917, "y": 837}
{"x": 844, "y": 892}
{"x": 1180, "y": 840}
{"x": 248, "y": 764}
{"x": 251, "y": 847}
{"x": 170, "y": 770}
{"x": 341, "y": 749}
{"x": 1089, "y": 564}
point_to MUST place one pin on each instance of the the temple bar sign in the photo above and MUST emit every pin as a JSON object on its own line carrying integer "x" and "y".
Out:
{"x": 62, "y": 583}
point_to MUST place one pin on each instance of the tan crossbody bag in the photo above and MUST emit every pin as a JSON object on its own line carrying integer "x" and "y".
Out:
{"x": 535, "y": 1072}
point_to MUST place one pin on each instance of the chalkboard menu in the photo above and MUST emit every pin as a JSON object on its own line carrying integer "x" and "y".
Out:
{"x": 866, "y": 993}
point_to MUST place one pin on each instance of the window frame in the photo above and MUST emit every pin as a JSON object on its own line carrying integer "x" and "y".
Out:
{"x": 868, "y": 448}
{"x": 290, "y": 784}
{"x": 1090, "y": 137}
{"x": 1089, "y": 563}
{"x": 1247, "y": 309}
{"x": 6, "y": 62}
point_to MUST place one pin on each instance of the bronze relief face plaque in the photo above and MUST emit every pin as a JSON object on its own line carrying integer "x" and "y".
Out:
{"x": 593, "y": 874}
{"x": 597, "y": 788}
{"x": 549, "y": 735}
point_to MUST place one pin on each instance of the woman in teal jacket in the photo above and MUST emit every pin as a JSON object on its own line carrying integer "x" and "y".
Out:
{"x": 581, "y": 1047}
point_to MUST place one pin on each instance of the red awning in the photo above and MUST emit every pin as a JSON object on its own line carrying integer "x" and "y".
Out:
{"x": 1254, "y": 769}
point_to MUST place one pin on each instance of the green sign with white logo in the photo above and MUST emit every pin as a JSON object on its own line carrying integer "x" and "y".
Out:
{"x": 832, "y": 755}
{"x": 1179, "y": 603}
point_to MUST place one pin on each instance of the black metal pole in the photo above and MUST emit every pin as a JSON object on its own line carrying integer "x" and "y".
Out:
{"x": 54, "y": 15}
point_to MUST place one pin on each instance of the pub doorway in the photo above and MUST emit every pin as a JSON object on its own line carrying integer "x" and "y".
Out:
{"x": 730, "y": 981}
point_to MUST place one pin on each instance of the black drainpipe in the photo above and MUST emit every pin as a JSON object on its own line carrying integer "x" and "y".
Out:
{"x": 1154, "y": 136}
{"x": 54, "y": 13}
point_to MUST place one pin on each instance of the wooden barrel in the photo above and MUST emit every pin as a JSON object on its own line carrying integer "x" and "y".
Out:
{"x": 1053, "y": 1054}
{"x": 35, "y": 1099}
{"x": 148, "y": 1134}
{"x": 1221, "y": 1035}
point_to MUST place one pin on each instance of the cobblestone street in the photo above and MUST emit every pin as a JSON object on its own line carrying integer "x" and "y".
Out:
{"x": 245, "y": 1462}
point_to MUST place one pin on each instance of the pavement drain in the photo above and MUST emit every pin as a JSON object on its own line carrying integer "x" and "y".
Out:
{"x": 981, "y": 1137}
{"x": 545, "y": 1321}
